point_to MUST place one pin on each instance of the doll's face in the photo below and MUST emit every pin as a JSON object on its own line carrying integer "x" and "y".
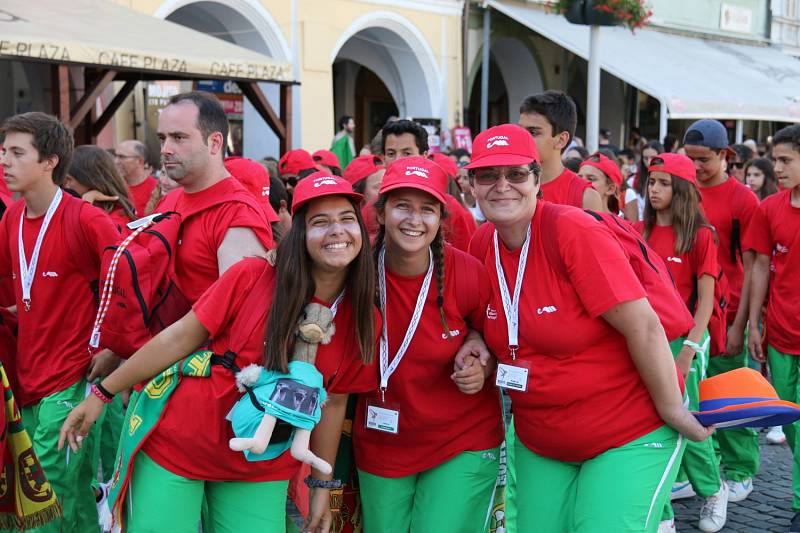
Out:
{"x": 333, "y": 235}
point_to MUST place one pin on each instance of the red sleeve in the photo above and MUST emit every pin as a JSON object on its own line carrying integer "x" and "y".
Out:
{"x": 704, "y": 253}
{"x": 598, "y": 269}
{"x": 748, "y": 207}
{"x": 757, "y": 235}
{"x": 217, "y": 307}
{"x": 356, "y": 377}
{"x": 241, "y": 215}
{"x": 476, "y": 281}
{"x": 639, "y": 227}
{"x": 101, "y": 232}
{"x": 5, "y": 255}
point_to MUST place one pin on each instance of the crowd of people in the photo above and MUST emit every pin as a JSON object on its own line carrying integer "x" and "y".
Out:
{"x": 192, "y": 349}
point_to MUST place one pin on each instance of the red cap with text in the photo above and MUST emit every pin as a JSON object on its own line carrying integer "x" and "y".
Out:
{"x": 604, "y": 165}
{"x": 255, "y": 179}
{"x": 320, "y": 184}
{"x": 327, "y": 158}
{"x": 294, "y": 161}
{"x": 504, "y": 145}
{"x": 416, "y": 172}
{"x": 362, "y": 167}
{"x": 676, "y": 164}
{"x": 448, "y": 165}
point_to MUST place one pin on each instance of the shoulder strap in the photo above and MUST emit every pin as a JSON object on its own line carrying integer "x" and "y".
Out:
{"x": 549, "y": 235}
{"x": 737, "y": 204}
{"x": 84, "y": 257}
{"x": 575, "y": 194}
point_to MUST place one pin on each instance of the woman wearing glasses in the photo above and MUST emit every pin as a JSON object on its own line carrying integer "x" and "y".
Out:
{"x": 597, "y": 406}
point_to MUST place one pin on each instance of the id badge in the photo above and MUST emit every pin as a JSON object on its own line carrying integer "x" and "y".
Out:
{"x": 512, "y": 377}
{"x": 382, "y": 418}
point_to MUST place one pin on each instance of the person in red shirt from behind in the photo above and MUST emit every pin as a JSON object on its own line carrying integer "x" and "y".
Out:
{"x": 131, "y": 159}
{"x": 255, "y": 179}
{"x": 186, "y": 464}
{"x": 775, "y": 236}
{"x": 675, "y": 227}
{"x": 599, "y": 418}
{"x": 427, "y": 441}
{"x": 729, "y": 207}
{"x": 606, "y": 178}
{"x": 551, "y": 118}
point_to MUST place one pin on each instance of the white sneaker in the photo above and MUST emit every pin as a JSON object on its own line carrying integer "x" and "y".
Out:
{"x": 715, "y": 511}
{"x": 682, "y": 489}
{"x": 739, "y": 490}
{"x": 666, "y": 526}
{"x": 103, "y": 507}
{"x": 775, "y": 435}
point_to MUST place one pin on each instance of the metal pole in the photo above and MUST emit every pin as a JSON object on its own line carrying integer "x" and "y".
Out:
{"x": 662, "y": 121}
{"x": 487, "y": 22}
{"x": 739, "y": 131}
{"x": 593, "y": 94}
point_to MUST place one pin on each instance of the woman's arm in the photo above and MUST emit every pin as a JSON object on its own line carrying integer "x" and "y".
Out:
{"x": 651, "y": 355}
{"x": 702, "y": 314}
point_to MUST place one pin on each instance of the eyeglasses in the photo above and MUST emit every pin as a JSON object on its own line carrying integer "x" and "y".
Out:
{"x": 736, "y": 164}
{"x": 491, "y": 176}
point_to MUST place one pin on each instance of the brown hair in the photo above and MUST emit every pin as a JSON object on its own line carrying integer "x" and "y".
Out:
{"x": 437, "y": 249}
{"x": 94, "y": 168}
{"x": 687, "y": 217}
{"x": 294, "y": 288}
{"x": 770, "y": 185}
{"x": 51, "y": 137}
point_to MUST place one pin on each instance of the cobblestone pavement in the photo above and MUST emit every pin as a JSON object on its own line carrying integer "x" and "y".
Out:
{"x": 769, "y": 506}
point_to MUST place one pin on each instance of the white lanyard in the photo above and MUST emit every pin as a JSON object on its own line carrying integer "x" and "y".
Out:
{"x": 336, "y": 302}
{"x": 28, "y": 271}
{"x": 511, "y": 307}
{"x": 388, "y": 369}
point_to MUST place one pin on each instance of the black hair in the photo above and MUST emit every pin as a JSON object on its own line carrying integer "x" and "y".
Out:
{"x": 211, "y": 117}
{"x": 458, "y": 153}
{"x": 643, "y": 173}
{"x": 584, "y": 153}
{"x": 788, "y": 135}
{"x": 627, "y": 152}
{"x": 400, "y": 127}
{"x": 743, "y": 152}
{"x": 605, "y": 133}
{"x": 573, "y": 164}
{"x": 670, "y": 142}
{"x": 343, "y": 120}
{"x": 555, "y": 106}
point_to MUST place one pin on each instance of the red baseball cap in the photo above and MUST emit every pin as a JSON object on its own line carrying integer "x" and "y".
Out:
{"x": 675, "y": 164}
{"x": 504, "y": 145}
{"x": 255, "y": 179}
{"x": 416, "y": 172}
{"x": 327, "y": 158}
{"x": 295, "y": 161}
{"x": 320, "y": 184}
{"x": 448, "y": 165}
{"x": 604, "y": 165}
{"x": 361, "y": 167}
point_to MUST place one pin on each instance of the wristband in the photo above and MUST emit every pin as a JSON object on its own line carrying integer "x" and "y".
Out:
{"x": 314, "y": 483}
{"x": 694, "y": 346}
{"x": 99, "y": 391}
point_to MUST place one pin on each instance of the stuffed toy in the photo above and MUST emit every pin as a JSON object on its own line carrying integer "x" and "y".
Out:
{"x": 296, "y": 397}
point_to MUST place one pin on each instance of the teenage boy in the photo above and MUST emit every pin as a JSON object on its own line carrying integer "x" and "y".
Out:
{"x": 775, "y": 236}
{"x": 730, "y": 207}
{"x": 551, "y": 118}
{"x": 54, "y": 301}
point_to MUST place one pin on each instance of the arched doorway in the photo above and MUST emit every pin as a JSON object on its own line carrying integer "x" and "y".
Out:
{"x": 383, "y": 66}
{"x": 248, "y": 24}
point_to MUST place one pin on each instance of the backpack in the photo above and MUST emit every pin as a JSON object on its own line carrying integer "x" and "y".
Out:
{"x": 740, "y": 195}
{"x": 140, "y": 297}
{"x": 718, "y": 323}
{"x": 575, "y": 192}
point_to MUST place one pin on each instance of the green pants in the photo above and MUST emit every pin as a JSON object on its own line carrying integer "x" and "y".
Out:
{"x": 622, "y": 489}
{"x": 785, "y": 370}
{"x": 108, "y": 428}
{"x": 454, "y": 496}
{"x": 511, "y": 480}
{"x": 700, "y": 464}
{"x": 160, "y": 501}
{"x": 737, "y": 448}
{"x": 69, "y": 473}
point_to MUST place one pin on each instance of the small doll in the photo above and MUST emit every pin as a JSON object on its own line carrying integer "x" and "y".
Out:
{"x": 295, "y": 397}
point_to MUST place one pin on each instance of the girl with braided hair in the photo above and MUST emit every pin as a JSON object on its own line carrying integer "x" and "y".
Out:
{"x": 427, "y": 440}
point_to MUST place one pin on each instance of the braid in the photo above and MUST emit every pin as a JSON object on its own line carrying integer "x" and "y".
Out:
{"x": 437, "y": 248}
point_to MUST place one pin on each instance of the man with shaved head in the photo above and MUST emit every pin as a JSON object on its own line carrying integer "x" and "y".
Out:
{"x": 131, "y": 160}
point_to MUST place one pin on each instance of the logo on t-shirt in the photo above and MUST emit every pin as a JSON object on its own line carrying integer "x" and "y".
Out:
{"x": 322, "y": 180}
{"x": 497, "y": 140}
{"x": 491, "y": 314}
{"x": 265, "y": 191}
{"x": 417, "y": 171}
{"x": 547, "y": 309}
{"x": 675, "y": 259}
{"x": 49, "y": 274}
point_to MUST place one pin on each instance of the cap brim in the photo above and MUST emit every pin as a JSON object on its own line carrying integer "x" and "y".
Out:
{"x": 755, "y": 414}
{"x": 500, "y": 160}
{"x": 353, "y": 195}
{"x": 421, "y": 187}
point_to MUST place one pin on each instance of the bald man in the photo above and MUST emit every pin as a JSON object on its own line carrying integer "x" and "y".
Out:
{"x": 131, "y": 160}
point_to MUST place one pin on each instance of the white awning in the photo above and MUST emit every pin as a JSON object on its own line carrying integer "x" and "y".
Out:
{"x": 102, "y": 33}
{"x": 693, "y": 77}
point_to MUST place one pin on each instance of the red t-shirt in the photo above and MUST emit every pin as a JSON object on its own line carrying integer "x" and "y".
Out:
{"x": 722, "y": 204}
{"x": 140, "y": 194}
{"x": 685, "y": 268}
{"x": 584, "y": 394}
{"x": 566, "y": 189}
{"x": 459, "y": 224}
{"x": 196, "y": 263}
{"x": 54, "y": 335}
{"x": 437, "y": 421}
{"x": 370, "y": 220}
{"x": 775, "y": 232}
{"x": 195, "y": 446}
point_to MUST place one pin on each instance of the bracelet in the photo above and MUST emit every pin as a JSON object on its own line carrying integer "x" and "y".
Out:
{"x": 102, "y": 393}
{"x": 694, "y": 346}
{"x": 314, "y": 483}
